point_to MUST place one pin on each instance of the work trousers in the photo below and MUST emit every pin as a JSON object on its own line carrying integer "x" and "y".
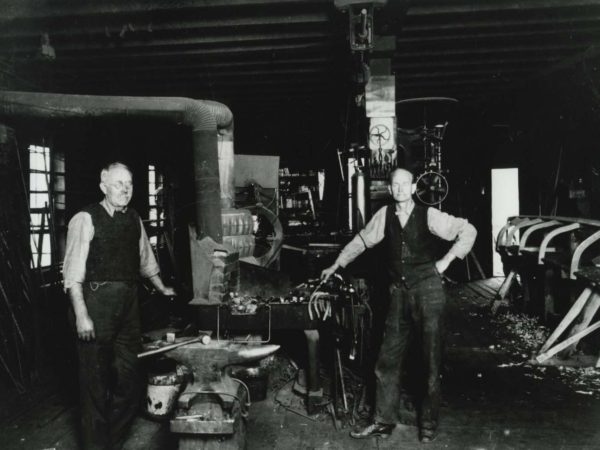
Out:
{"x": 415, "y": 312}
{"x": 109, "y": 377}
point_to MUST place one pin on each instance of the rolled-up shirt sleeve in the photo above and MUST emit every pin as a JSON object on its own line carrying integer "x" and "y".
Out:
{"x": 148, "y": 264}
{"x": 79, "y": 235}
{"x": 450, "y": 228}
{"x": 371, "y": 235}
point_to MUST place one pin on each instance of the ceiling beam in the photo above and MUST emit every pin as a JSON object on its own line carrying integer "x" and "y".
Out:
{"x": 592, "y": 51}
{"x": 411, "y": 27}
{"x": 467, "y": 7}
{"x": 479, "y": 62}
{"x": 261, "y": 57}
{"x": 72, "y": 48}
{"x": 559, "y": 33}
{"x": 493, "y": 73}
{"x": 240, "y": 94}
{"x": 447, "y": 91}
{"x": 475, "y": 81}
{"x": 35, "y": 9}
{"x": 155, "y": 66}
{"x": 304, "y": 82}
{"x": 223, "y": 52}
{"x": 488, "y": 50}
{"x": 239, "y": 76}
{"x": 160, "y": 26}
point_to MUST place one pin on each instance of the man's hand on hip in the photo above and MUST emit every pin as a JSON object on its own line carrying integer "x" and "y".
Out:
{"x": 444, "y": 263}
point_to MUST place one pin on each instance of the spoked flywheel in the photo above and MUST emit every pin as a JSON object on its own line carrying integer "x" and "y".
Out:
{"x": 432, "y": 188}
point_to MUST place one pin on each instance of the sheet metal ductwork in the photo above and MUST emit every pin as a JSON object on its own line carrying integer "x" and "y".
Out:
{"x": 206, "y": 119}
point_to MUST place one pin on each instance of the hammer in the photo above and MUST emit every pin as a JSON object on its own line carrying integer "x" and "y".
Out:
{"x": 204, "y": 338}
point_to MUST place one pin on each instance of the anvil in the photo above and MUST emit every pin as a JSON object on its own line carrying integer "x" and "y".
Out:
{"x": 207, "y": 363}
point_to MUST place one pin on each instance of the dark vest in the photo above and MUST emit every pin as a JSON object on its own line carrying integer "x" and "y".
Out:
{"x": 412, "y": 250}
{"x": 114, "y": 250}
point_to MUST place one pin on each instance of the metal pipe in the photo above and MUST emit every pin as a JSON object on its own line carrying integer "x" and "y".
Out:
{"x": 204, "y": 118}
{"x": 226, "y": 170}
{"x": 359, "y": 199}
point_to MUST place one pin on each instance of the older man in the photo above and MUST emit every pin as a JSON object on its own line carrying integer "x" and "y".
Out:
{"x": 417, "y": 298}
{"x": 107, "y": 251}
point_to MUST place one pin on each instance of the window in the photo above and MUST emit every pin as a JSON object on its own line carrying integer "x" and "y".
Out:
{"x": 155, "y": 185}
{"x": 505, "y": 203}
{"x": 39, "y": 205}
{"x": 46, "y": 202}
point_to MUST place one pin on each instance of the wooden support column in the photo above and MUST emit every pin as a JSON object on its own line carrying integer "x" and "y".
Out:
{"x": 566, "y": 343}
{"x": 500, "y": 298}
{"x": 588, "y": 314}
{"x": 569, "y": 317}
{"x": 586, "y": 305}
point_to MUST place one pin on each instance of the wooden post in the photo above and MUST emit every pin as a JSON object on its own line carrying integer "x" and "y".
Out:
{"x": 569, "y": 317}
{"x": 477, "y": 265}
{"x": 566, "y": 343}
{"x": 500, "y": 296}
{"x": 589, "y": 311}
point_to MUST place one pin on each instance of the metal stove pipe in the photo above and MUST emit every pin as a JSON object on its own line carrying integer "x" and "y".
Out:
{"x": 204, "y": 118}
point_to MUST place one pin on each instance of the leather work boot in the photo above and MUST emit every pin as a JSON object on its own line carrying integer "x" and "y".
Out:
{"x": 427, "y": 435}
{"x": 376, "y": 429}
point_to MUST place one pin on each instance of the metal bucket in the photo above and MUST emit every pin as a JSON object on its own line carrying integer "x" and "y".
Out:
{"x": 162, "y": 392}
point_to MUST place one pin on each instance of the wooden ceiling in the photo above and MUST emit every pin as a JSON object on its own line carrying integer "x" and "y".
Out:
{"x": 268, "y": 54}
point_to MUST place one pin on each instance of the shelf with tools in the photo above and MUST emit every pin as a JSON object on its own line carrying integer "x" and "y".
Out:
{"x": 298, "y": 201}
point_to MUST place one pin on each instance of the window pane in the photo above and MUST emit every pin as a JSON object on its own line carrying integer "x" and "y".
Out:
{"x": 151, "y": 176}
{"x": 38, "y": 200}
{"x": 59, "y": 164}
{"x": 36, "y": 219}
{"x": 46, "y": 260}
{"x": 37, "y": 182}
{"x": 59, "y": 183}
{"x": 33, "y": 244}
{"x": 59, "y": 201}
{"x": 38, "y": 161}
{"x": 46, "y": 248}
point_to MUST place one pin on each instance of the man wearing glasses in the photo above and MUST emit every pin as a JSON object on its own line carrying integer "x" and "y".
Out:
{"x": 107, "y": 251}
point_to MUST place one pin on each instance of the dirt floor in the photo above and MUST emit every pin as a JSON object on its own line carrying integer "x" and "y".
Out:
{"x": 493, "y": 399}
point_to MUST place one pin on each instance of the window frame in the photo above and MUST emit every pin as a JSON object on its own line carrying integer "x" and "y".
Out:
{"x": 43, "y": 219}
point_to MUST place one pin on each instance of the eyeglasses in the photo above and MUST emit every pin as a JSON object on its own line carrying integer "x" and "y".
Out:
{"x": 120, "y": 185}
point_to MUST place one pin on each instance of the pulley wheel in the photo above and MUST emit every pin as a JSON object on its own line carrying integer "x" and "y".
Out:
{"x": 432, "y": 188}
